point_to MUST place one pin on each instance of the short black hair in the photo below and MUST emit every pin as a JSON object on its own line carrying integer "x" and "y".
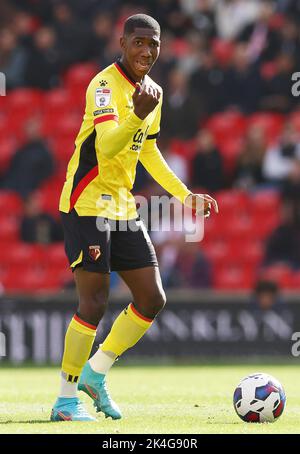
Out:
{"x": 142, "y": 21}
{"x": 268, "y": 286}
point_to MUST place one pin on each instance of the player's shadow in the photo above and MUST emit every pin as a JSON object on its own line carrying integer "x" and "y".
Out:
{"x": 228, "y": 423}
{"x": 31, "y": 421}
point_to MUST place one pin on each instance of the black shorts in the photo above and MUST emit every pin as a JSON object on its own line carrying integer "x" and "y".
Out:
{"x": 101, "y": 245}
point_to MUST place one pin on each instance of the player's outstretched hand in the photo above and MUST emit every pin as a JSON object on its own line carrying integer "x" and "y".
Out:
{"x": 202, "y": 204}
{"x": 145, "y": 99}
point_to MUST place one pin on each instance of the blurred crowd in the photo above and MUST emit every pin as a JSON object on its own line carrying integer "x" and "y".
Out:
{"x": 217, "y": 56}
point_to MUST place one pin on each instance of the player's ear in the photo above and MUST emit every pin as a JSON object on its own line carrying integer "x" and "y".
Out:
{"x": 123, "y": 42}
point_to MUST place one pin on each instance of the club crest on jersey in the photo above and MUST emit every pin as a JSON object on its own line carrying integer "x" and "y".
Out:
{"x": 102, "y": 97}
{"x": 94, "y": 252}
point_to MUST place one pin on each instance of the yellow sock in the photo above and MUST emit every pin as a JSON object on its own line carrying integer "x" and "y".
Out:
{"x": 126, "y": 331}
{"x": 79, "y": 340}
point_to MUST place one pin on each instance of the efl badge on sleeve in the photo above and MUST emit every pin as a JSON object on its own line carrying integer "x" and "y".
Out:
{"x": 102, "y": 97}
{"x": 94, "y": 252}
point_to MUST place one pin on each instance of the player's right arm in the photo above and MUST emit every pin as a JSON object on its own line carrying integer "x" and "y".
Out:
{"x": 112, "y": 137}
{"x": 103, "y": 102}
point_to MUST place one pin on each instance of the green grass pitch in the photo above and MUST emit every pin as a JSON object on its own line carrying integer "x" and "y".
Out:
{"x": 154, "y": 400}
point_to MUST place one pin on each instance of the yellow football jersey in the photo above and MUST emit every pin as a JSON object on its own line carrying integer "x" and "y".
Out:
{"x": 111, "y": 140}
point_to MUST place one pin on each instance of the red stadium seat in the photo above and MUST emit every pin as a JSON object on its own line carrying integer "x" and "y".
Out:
{"x": 230, "y": 150}
{"x": 25, "y": 101}
{"x": 240, "y": 227}
{"x": 264, "y": 224}
{"x": 294, "y": 119}
{"x": 232, "y": 278}
{"x": 271, "y": 123}
{"x": 31, "y": 281}
{"x": 245, "y": 252}
{"x": 280, "y": 273}
{"x": 223, "y": 51}
{"x": 11, "y": 204}
{"x": 56, "y": 256}
{"x": 18, "y": 254}
{"x": 50, "y": 122}
{"x": 216, "y": 251}
{"x": 63, "y": 148}
{"x": 8, "y": 147}
{"x": 295, "y": 281}
{"x": 80, "y": 75}
{"x": 49, "y": 200}
{"x": 58, "y": 100}
{"x": 61, "y": 125}
{"x": 61, "y": 275}
{"x": 266, "y": 202}
{"x": 183, "y": 148}
{"x": 9, "y": 229}
{"x": 225, "y": 124}
{"x": 180, "y": 47}
{"x": 268, "y": 70}
{"x": 15, "y": 125}
{"x": 233, "y": 201}
{"x": 212, "y": 229}
{"x": 69, "y": 126}
{"x": 53, "y": 184}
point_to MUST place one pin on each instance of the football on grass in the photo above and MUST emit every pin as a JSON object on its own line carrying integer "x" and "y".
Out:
{"x": 259, "y": 398}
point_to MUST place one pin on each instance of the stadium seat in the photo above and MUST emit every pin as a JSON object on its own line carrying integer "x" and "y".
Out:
{"x": 233, "y": 201}
{"x": 216, "y": 251}
{"x": 11, "y": 204}
{"x": 226, "y": 125}
{"x": 230, "y": 149}
{"x": 271, "y": 123}
{"x": 265, "y": 202}
{"x": 184, "y": 148}
{"x": 49, "y": 200}
{"x": 59, "y": 100}
{"x": 24, "y": 100}
{"x": 60, "y": 125}
{"x": 295, "y": 281}
{"x": 212, "y": 229}
{"x": 264, "y": 224}
{"x": 238, "y": 226}
{"x": 234, "y": 277}
{"x": 245, "y": 252}
{"x": 19, "y": 254}
{"x": 69, "y": 126}
{"x": 268, "y": 70}
{"x": 9, "y": 229}
{"x": 80, "y": 75}
{"x": 180, "y": 47}
{"x": 8, "y": 147}
{"x": 223, "y": 51}
{"x": 63, "y": 148}
{"x": 54, "y": 184}
{"x": 280, "y": 273}
{"x": 294, "y": 119}
{"x": 56, "y": 256}
{"x": 31, "y": 281}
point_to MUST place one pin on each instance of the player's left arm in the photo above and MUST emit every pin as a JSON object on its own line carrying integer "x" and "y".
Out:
{"x": 156, "y": 165}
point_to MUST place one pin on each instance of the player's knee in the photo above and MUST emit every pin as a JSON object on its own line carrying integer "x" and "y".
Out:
{"x": 92, "y": 308}
{"x": 155, "y": 302}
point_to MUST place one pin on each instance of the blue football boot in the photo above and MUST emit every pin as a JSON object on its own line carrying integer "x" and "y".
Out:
{"x": 70, "y": 409}
{"x": 94, "y": 385}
